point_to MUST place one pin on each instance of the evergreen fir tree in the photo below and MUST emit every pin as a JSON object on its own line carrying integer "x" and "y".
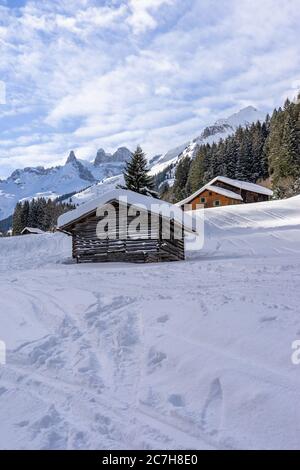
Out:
{"x": 17, "y": 219}
{"x": 221, "y": 160}
{"x": 231, "y": 156}
{"x": 196, "y": 171}
{"x": 25, "y": 214}
{"x": 166, "y": 193}
{"x": 243, "y": 151}
{"x": 264, "y": 164}
{"x": 181, "y": 178}
{"x": 274, "y": 144}
{"x": 32, "y": 216}
{"x": 288, "y": 162}
{"x": 287, "y": 104}
{"x": 257, "y": 150}
{"x": 136, "y": 174}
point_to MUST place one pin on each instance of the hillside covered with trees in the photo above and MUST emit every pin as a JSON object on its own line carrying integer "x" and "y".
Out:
{"x": 38, "y": 213}
{"x": 266, "y": 153}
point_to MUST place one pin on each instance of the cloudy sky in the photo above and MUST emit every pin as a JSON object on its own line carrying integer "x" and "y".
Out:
{"x": 84, "y": 74}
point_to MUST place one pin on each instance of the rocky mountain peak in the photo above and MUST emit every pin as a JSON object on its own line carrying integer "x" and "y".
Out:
{"x": 243, "y": 117}
{"x": 101, "y": 157}
{"x": 122, "y": 155}
{"x": 71, "y": 158}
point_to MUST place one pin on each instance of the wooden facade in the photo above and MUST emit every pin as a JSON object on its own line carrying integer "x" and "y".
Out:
{"x": 209, "y": 198}
{"x": 121, "y": 242}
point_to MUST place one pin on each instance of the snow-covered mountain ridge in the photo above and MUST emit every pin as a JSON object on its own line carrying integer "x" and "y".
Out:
{"x": 209, "y": 135}
{"x": 221, "y": 129}
{"x": 77, "y": 174}
{"x": 74, "y": 175}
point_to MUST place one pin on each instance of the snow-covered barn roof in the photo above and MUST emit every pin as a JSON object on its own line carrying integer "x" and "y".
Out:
{"x": 137, "y": 200}
{"x": 255, "y": 188}
{"x": 32, "y": 230}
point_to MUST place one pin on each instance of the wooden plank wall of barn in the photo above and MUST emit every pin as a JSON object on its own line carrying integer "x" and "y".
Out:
{"x": 122, "y": 243}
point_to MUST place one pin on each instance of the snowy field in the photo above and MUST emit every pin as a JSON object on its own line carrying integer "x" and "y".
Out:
{"x": 193, "y": 354}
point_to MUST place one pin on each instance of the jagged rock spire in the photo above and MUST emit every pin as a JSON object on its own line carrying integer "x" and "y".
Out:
{"x": 72, "y": 157}
{"x": 100, "y": 157}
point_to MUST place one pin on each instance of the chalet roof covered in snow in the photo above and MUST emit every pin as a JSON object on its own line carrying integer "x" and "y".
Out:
{"x": 32, "y": 230}
{"x": 150, "y": 204}
{"x": 255, "y": 188}
{"x": 242, "y": 185}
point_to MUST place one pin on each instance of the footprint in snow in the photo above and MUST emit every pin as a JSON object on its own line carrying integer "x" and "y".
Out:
{"x": 155, "y": 359}
{"x": 22, "y": 424}
{"x": 211, "y": 412}
{"x": 51, "y": 430}
{"x": 163, "y": 319}
{"x": 267, "y": 319}
{"x": 79, "y": 441}
{"x": 176, "y": 400}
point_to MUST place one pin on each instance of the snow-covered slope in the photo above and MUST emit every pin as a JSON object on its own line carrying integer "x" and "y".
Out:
{"x": 75, "y": 175}
{"x": 96, "y": 190}
{"x": 260, "y": 229}
{"x": 167, "y": 159}
{"x": 220, "y": 130}
{"x": 193, "y": 354}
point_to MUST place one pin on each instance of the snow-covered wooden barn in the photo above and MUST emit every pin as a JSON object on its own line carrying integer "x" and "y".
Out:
{"x": 126, "y": 226}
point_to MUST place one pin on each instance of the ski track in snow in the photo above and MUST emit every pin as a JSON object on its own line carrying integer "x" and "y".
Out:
{"x": 193, "y": 354}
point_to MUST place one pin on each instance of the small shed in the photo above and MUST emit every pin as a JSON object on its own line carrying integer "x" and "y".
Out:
{"x": 31, "y": 230}
{"x": 123, "y": 225}
{"x": 223, "y": 191}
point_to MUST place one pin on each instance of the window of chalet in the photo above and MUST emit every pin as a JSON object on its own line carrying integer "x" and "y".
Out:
{"x": 217, "y": 203}
{"x": 203, "y": 200}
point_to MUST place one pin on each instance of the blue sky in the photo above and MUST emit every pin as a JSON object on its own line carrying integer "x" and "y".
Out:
{"x": 85, "y": 74}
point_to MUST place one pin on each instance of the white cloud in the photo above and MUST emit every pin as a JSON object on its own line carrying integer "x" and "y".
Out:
{"x": 141, "y": 17}
{"x": 2, "y": 93}
{"x": 81, "y": 21}
{"x": 143, "y": 71}
{"x": 163, "y": 90}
